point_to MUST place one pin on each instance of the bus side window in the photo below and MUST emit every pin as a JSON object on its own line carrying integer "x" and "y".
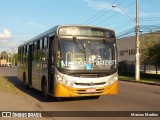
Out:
{"x": 38, "y": 45}
{"x": 45, "y": 42}
{"x": 41, "y": 49}
{"x": 38, "y": 50}
{"x": 41, "y": 44}
{"x": 27, "y": 50}
{"x": 26, "y": 53}
{"x": 34, "y": 51}
{"x": 23, "y": 55}
{"x": 19, "y": 54}
{"x": 45, "y": 48}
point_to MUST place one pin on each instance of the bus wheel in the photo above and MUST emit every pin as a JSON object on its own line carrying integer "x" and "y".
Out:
{"x": 25, "y": 82}
{"x": 45, "y": 92}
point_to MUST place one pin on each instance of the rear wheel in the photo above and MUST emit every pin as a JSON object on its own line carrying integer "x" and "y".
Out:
{"x": 25, "y": 82}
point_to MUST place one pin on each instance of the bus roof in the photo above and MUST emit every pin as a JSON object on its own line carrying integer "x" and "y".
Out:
{"x": 54, "y": 30}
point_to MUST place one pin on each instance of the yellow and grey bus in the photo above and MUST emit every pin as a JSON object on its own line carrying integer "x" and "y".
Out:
{"x": 70, "y": 61}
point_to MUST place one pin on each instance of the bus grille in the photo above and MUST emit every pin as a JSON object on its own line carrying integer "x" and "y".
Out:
{"x": 90, "y": 84}
{"x": 98, "y": 91}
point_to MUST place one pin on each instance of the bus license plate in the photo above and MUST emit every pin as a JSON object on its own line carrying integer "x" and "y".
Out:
{"x": 90, "y": 90}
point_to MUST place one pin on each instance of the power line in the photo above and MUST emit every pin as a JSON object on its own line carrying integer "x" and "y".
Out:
{"x": 143, "y": 28}
{"x": 96, "y": 15}
{"x": 149, "y": 19}
{"x": 104, "y": 12}
{"x": 116, "y": 22}
{"x": 114, "y": 14}
{"x": 141, "y": 19}
{"x": 122, "y": 26}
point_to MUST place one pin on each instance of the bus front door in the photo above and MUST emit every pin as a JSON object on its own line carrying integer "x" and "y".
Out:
{"x": 51, "y": 65}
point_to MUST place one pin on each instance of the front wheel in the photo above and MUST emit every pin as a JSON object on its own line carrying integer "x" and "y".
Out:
{"x": 45, "y": 92}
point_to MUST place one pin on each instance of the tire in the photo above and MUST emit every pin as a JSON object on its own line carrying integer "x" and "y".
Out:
{"x": 45, "y": 92}
{"x": 25, "y": 82}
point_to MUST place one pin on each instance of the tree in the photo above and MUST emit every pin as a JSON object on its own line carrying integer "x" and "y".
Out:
{"x": 4, "y": 55}
{"x": 150, "y": 50}
{"x": 154, "y": 56}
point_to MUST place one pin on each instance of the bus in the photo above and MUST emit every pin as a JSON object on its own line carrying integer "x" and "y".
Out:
{"x": 70, "y": 61}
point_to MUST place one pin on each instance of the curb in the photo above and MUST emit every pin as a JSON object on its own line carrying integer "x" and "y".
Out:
{"x": 142, "y": 82}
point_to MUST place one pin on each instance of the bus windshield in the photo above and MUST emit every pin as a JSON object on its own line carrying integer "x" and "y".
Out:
{"x": 86, "y": 54}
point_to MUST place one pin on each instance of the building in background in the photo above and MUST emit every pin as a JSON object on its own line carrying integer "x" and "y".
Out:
{"x": 126, "y": 50}
{"x": 8, "y": 59}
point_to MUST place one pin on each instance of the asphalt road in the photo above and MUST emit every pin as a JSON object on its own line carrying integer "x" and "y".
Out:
{"x": 131, "y": 97}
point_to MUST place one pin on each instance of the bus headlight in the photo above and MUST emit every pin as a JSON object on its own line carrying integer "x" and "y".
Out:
{"x": 115, "y": 79}
{"x": 59, "y": 79}
{"x": 70, "y": 84}
{"x": 63, "y": 81}
{"x": 112, "y": 81}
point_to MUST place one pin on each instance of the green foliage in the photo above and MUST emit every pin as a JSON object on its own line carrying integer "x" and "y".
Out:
{"x": 151, "y": 77}
{"x": 3, "y": 55}
{"x": 10, "y": 57}
{"x": 154, "y": 55}
{"x": 14, "y": 59}
{"x": 150, "y": 50}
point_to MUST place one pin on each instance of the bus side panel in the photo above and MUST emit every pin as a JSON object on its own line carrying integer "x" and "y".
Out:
{"x": 19, "y": 64}
{"x": 38, "y": 69}
{"x": 30, "y": 64}
{"x": 26, "y": 70}
{"x": 19, "y": 71}
{"x": 22, "y": 71}
{"x": 33, "y": 74}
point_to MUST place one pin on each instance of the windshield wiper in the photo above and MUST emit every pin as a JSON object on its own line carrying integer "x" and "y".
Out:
{"x": 80, "y": 46}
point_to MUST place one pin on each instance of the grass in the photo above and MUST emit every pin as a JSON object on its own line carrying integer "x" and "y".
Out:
{"x": 7, "y": 86}
{"x": 148, "y": 78}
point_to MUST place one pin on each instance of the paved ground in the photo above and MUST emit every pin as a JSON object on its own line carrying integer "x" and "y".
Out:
{"x": 131, "y": 97}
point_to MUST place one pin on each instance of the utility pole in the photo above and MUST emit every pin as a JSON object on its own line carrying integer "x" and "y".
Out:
{"x": 137, "y": 68}
{"x": 137, "y": 41}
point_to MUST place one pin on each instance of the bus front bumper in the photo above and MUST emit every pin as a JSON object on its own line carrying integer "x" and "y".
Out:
{"x": 65, "y": 91}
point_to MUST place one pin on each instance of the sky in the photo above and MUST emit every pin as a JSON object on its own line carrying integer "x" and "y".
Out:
{"x": 21, "y": 20}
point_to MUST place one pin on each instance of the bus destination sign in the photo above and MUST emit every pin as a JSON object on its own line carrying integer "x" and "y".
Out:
{"x": 84, "y": 31}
